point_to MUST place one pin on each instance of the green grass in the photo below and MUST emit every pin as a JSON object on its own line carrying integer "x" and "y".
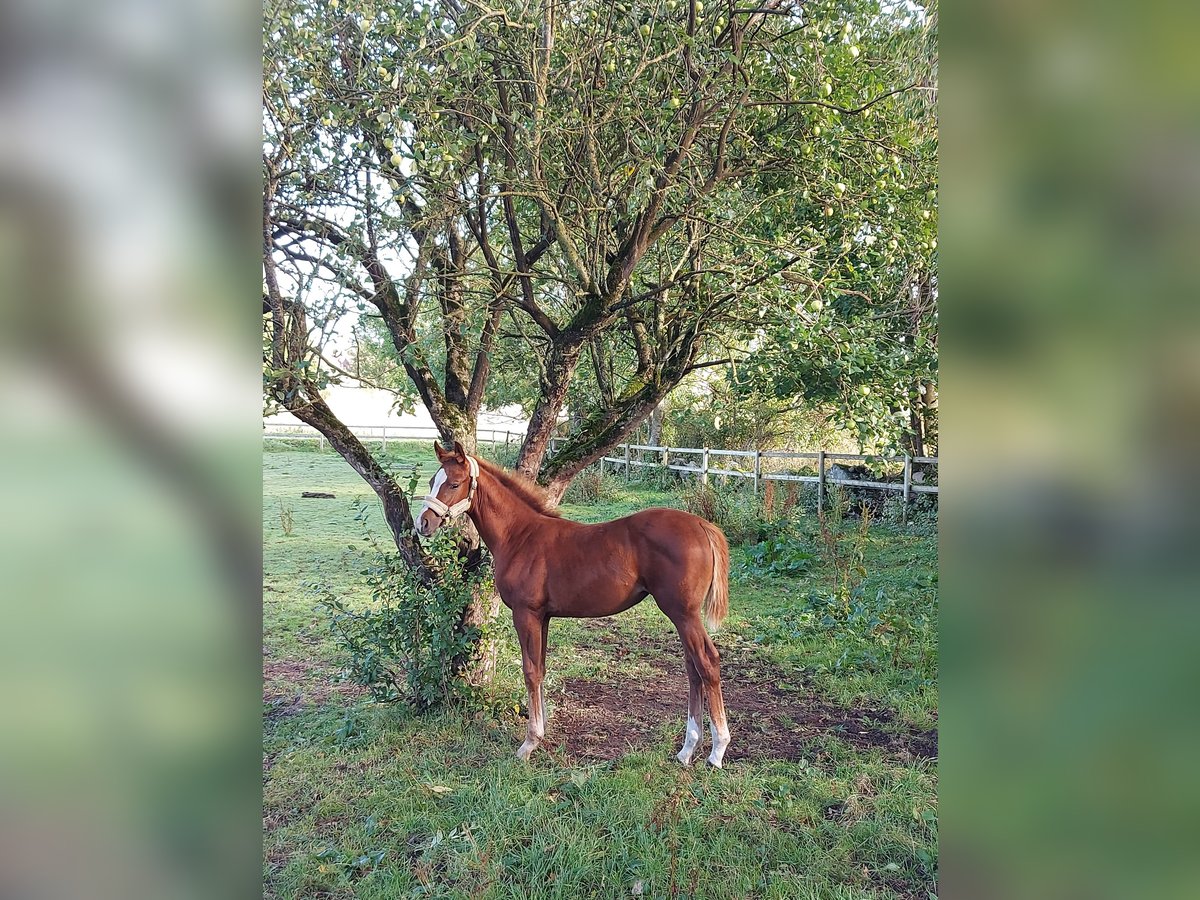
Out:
{"x": 369, "y": 801}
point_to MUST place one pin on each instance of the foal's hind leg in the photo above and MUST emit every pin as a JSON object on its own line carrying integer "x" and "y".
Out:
{"x": 695, "y": 711}
{"x": 703, "y": 654}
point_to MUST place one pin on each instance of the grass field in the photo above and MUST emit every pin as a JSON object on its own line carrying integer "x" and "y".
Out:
{"x": 830, "y": 784}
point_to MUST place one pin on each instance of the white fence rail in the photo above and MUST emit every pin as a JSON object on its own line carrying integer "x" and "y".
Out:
{"x": 668, "y": 458}
{"x": 385, "y": 433}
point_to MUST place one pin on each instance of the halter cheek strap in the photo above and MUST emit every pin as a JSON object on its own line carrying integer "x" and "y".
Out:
{"x": 449, "y": 512}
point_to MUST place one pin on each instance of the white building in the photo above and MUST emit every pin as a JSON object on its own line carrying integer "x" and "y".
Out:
{"x": 362, "y": 407}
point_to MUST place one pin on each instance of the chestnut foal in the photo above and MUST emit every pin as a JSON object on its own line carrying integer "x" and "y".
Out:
{"x": 548, "y": 566}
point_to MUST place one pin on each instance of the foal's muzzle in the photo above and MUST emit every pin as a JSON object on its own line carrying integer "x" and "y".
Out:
{"x": 419, "y": 527}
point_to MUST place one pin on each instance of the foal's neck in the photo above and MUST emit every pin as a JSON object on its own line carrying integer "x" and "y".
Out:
{"x": 500, "y": 516}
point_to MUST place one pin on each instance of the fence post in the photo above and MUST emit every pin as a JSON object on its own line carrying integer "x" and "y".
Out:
{"x": 820, "y": 480}
{"x": 385, "y": 439}
{"x": 665, "y": 459}
{"x": 757, "y": 470}
{"x": 627, "y": 460}
{"x": 320, "y": 443}
{"x": 907, "y": 484}
{"x": 704, "y": 468}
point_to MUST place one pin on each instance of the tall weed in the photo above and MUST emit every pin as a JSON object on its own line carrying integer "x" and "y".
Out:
{"x": 736, "y": 512}
{"x": 589, "y": 486}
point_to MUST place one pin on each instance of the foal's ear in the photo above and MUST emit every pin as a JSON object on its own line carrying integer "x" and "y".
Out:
{"x": 459, "y": 452}
{"x": 442, "y": 455}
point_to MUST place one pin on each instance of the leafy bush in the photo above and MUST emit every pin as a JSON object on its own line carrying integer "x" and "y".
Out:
{"x": 922, "y": 512}
{"x": 411, "y": 643}
{"x": 782, "y": 553}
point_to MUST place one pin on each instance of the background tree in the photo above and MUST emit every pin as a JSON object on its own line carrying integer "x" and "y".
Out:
{"x": 605, "y": 196}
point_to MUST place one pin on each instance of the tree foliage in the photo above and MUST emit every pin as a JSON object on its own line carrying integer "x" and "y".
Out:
{"x": 605, "y": 196}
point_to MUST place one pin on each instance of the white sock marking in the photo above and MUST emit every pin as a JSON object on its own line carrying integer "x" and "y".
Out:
{"x": 720, "y": 742}
{"x": 691, "y": 739}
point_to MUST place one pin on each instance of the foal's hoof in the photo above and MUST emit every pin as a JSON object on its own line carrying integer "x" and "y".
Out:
{"x": 525, "y": 751}
{"x": 715, "y": 760}
{"x": 684, "y": 757}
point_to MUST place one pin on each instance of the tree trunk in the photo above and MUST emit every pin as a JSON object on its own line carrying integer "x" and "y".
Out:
{"x": 915, "y": 439}
{"x": 595, "y": 439}
{"x": 542, "y": 423}
{"x": 482, "y": 613}
{"x": 656, "y": 425}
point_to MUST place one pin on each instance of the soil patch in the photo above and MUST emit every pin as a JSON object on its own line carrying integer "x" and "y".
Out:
{"x": 769, "y": 717}
{"x": 289, "y": 687}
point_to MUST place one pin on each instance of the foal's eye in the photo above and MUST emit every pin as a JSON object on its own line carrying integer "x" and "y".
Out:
{"x": 456, "y": 484}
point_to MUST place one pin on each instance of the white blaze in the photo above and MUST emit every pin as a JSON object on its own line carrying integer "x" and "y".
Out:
{"x": 438, "y": 480}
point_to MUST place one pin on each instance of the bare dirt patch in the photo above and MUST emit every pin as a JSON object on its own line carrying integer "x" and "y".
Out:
{"x": 769, "y": 717}
{"x": 289, "y": 687}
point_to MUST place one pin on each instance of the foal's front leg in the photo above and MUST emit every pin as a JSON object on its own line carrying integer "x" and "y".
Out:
{"x": 531, "y": 632}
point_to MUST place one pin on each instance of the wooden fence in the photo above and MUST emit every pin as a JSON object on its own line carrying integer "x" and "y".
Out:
{"x": 668, "y": 458}
{"x": 634, "y": 455}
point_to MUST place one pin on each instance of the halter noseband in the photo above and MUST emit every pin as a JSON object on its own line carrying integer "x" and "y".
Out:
{"x": 449, "y": 512}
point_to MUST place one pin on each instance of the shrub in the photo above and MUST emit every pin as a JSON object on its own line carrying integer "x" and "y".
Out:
{"x": 411, "y": 644}
{"x": 657, "y": 477}
{"x": 589, "y": 486}
{"x": 781, "y": 553}
{"x": 922, "y": 512}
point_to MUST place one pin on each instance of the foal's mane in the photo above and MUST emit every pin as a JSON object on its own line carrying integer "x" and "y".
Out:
{"x": 526, "y": 490}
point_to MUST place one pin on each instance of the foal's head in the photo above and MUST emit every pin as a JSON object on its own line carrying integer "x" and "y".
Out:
{"x": 450, "y": 490}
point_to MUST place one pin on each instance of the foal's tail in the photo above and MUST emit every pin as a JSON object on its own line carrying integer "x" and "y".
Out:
{"x": 716, "y": 601}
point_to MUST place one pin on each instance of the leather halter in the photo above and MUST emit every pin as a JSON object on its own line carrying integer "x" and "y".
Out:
{"x": 443, "y": 511}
